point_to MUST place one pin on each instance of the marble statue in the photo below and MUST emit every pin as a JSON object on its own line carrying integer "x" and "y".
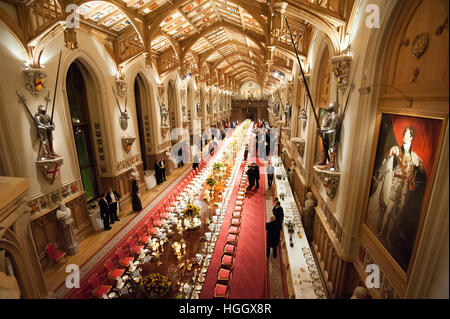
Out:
{"x": 65, "y": 220}
{"x": 308, "y": 215}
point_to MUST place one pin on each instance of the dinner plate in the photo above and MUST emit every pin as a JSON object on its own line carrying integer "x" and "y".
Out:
{"x": 310, "y": 262}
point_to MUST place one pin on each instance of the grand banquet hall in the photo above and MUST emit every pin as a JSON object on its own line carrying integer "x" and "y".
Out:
{"x": 224, "y": 149}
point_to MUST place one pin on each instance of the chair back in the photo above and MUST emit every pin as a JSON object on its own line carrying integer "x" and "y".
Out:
{"x": 108, "y": 265}
{"x": 130, "y": 242}
{"x": 139, "y": 232}
{"x": 50, "y": 249}
{"x": 93, "y": 281}
{"x": 119, "y": 253}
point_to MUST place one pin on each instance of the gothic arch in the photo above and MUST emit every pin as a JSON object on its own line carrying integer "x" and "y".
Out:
{"x": 99, "y": 119}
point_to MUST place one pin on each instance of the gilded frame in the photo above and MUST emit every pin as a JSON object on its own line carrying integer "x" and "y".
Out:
{"x": 398, "y": 275}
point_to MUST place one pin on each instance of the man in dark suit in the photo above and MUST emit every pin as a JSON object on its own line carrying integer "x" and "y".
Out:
{"x": 256, "y": 169}
{"x": 273, "y": 236}
{"x": 251, "y": 177}
{"x": 180, "y": 156}
{"x": 162, "y": 168}
{"x": 195, "y": 163}
{"x": 270, "y": 171}
{"x": 278, "y": 212}
{"x": 158, "y": 173}
{"x": 112, "y": 197}
{"x": 104, "y": 211}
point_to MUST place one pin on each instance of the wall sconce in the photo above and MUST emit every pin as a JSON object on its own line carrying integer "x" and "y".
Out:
{"x": 368, "y": 89}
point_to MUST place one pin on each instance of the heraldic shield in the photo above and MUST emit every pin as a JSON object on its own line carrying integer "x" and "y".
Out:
{"x": 50, "y": 168}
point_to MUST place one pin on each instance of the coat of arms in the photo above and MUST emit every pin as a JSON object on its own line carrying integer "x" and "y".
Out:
{"x": 127, "y": 142}
{"x": 35, "y": 80}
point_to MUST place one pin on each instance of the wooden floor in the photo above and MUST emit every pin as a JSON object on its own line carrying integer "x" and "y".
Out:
{"x": 86, "y": 249}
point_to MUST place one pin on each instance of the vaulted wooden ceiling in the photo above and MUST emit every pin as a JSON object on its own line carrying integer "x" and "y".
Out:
{"x": 224, "y": 42}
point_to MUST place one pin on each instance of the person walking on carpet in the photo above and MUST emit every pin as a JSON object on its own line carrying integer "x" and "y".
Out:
{"x": 256, "y": 169}
{"x": 273, "y": 236}
{"x": 270, "y": 171}
{"x": 251, "y": 173}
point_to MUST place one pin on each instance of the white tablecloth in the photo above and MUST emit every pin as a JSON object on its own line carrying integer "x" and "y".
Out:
{"x": 302, "y": 272}
{"x": 150, "y": 179}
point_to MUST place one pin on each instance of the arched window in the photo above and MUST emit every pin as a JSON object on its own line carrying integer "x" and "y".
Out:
{"x": 79, "y": 113}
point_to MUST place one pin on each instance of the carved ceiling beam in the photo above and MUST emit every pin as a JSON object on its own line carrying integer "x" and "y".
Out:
{"x": 189, "y": 42}
{"x": 188, "y": 20}
{"x": 216, "y": 11}
{"x": 204, "y": 56}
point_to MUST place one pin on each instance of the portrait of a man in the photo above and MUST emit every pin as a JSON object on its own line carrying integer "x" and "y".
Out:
{"x": 403, "y": 166}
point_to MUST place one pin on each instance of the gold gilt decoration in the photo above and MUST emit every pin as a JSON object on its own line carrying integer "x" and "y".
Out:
{"x": 329, "y": 179}
{"x": 127, "y": 142}
{"x": 420, "y": 44}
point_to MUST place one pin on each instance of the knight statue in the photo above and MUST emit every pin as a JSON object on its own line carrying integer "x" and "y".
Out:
{"x": 329, "y": 132}
{"x": 45, "y": 128}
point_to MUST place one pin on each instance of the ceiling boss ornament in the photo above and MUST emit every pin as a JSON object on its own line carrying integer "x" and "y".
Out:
{"x": 420, "y": 44}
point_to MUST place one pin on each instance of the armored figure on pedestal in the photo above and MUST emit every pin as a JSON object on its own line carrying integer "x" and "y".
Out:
{"x": 329, "y": 131}
{"x": 45, "y": 131}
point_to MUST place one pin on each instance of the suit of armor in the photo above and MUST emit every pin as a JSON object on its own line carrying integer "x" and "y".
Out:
{"x": 329, "y": 132}
{"x": 45, "y": 131}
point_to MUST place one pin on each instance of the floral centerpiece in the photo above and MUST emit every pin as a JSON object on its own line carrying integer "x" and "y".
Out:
{"x": 191, "y": 211}
{"x": 191, "y": 216}
{"x": 154, "y": 285}
{"x": 218, "y": 166}
{"x": 211, "y": 181}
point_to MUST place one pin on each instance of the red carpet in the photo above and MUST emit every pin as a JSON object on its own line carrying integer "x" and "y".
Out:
{"x": 249, "y": 274}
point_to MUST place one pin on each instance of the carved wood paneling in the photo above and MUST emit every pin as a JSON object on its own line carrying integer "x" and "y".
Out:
{"x": 46, "y": 230}
{"x": 336, "y": 271}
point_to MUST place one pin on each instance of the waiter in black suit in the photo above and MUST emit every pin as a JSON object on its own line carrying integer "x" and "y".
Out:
{"x": 278, "y": 213}
{"x": 104, "y": 211}
{"x": 162, "y": 168}
{"x": 273, "y": 236}
{"x": 158, "y": 173}
{"x": 112, "y": 197}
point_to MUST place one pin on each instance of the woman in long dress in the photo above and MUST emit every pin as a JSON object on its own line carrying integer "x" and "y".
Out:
{"x": 135, "y": 197}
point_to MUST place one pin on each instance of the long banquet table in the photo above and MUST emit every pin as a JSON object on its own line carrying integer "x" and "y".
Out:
{"x": 187, "y": 280}
{"x": 302, "y": 273}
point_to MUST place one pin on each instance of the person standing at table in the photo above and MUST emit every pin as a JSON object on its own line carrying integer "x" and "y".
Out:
{"x": 112, "y": 197}
{"x": 270, "y": 171}
{"x": 104, "y": 211}
{"x": 278, "y": 212}
{"x": 273, "y": 236}
{"x": 246, "y": 152}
